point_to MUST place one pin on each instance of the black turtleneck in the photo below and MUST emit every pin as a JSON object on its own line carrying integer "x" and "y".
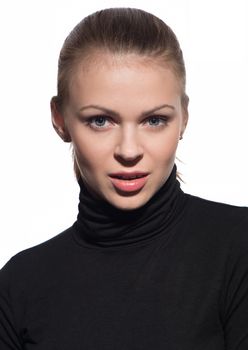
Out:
{"x": 171, "y": 275}
{"x": 101, "y": 224}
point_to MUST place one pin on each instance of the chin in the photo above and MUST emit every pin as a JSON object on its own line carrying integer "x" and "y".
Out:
{"x": 129, "y": 202}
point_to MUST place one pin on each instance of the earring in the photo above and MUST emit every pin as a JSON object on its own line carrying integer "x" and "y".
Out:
{"x": 181, "y": 137}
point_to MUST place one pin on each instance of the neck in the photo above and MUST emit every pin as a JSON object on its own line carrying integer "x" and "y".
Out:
{"x": 101, "y": 224}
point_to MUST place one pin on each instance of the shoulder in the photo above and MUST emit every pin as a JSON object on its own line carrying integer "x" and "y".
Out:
{"x": 226, "y": 223}
{"x": 38, "y": 259}
{"x": 217, "y": 212}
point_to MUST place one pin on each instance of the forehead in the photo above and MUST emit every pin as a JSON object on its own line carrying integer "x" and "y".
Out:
{"x": 99, "y": 60}
{"x": 123, "y": 77}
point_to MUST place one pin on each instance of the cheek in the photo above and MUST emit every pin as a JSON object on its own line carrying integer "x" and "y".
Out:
{"x": 90, "y": 155}
{"x": 163, "y": 149}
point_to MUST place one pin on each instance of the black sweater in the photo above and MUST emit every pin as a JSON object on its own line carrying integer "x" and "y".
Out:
{"x": 172, "y": 275}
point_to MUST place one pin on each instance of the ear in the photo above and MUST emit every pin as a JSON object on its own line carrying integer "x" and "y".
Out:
{"x": 185, "y": 112}
{"x": 58, "y": 121}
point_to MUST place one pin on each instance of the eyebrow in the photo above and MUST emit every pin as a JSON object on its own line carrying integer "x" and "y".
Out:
{"x": 109, "y": 111}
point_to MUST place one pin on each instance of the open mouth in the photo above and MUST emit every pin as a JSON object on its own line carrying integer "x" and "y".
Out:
{"x": 128, "y": 177}
{"x": 129, "y": 182}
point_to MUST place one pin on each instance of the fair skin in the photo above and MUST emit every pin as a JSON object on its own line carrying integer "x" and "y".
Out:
{"x": 123, "y": 116}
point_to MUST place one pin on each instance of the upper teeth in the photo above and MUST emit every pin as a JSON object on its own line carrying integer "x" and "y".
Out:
{"x": 129, "y": 177}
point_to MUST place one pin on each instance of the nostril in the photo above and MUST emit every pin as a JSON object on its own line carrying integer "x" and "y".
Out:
{"x": 128, "y": 162}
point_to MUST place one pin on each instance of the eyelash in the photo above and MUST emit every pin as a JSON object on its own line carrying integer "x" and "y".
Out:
{"x": 161, "y": 118}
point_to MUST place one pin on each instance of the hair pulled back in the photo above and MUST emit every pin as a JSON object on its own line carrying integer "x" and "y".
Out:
{"x": 118, "y": 31}
{"x": 123, "y": 31}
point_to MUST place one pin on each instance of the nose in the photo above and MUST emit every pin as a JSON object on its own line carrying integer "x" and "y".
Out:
{"x": 128, "y": 147}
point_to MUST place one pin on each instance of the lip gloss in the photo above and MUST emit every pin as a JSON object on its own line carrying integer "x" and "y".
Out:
{"x": 129, "y": 185}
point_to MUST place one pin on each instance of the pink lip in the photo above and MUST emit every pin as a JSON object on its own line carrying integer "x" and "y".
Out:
{"x": 127, "y": 184}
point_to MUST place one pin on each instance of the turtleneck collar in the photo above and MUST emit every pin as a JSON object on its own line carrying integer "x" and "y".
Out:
{"x": 100, "y": 224}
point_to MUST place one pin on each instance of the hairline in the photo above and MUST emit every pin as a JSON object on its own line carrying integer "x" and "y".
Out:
{"x": 85, "y": 60}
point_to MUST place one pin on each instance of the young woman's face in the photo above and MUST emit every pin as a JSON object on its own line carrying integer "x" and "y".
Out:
{"x": 125, "y": 119}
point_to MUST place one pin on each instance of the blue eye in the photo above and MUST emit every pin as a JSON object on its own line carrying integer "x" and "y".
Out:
{"x": 99, "y": 121}
{"x": 153, "y": 121}
{"x": 157, "y": 121}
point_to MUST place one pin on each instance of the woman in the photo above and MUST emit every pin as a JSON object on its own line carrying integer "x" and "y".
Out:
{"x": 145, "y": 266}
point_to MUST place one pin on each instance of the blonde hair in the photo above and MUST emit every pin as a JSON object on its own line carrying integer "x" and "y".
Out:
{"x": 118, "y": 30}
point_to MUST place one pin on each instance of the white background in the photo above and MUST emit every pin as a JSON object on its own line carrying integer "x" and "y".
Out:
{"x": 38, "y": 192}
